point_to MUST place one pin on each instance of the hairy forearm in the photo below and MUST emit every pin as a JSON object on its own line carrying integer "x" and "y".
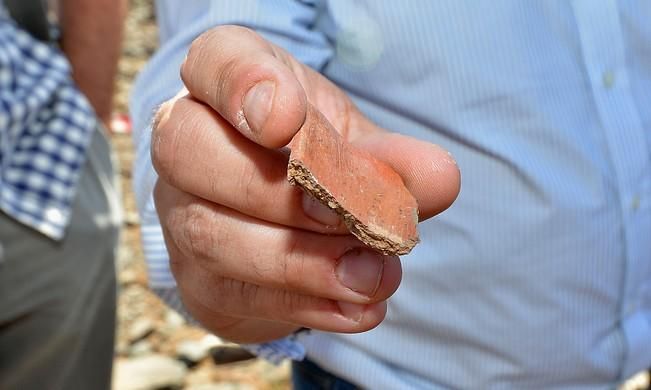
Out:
{"x": 91, "y": 39}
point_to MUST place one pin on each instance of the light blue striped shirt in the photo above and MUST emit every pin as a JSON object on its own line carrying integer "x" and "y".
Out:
{"x": 539, "y": 276}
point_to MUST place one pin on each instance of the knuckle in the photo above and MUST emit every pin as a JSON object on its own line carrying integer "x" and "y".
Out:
{"x": 239, "y": 298}
{"x": 159, "y": 195}
{"x": 170, "y": 214}
{"x": 160, "y": 116}
{"x": 248, "y": 294}
{"x": 222, "y": 78}
{"x": 168, "y": 139}
{"x": 177, "y": 265}
{"x": 162, "y": 142}
{"x": 293, "y": 266}
{"x": 195, "y": 237}
{"x": 164, "y": 199}
{"x": 194, "y": 52}
{"x": 286, "y": 305}
{"x": 247, "y": 181}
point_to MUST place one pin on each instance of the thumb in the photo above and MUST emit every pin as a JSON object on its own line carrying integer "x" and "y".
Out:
{"x": 429, "y": 171}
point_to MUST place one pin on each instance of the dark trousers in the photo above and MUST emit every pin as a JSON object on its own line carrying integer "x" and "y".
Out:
{"x": 57, "y": 299}
{"x": 306, "y": 375}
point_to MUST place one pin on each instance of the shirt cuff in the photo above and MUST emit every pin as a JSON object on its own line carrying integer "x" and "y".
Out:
{"x": 273, "y": 351}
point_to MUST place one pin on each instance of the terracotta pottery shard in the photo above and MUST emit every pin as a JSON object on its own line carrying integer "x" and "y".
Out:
{"x": 367, "y": 193}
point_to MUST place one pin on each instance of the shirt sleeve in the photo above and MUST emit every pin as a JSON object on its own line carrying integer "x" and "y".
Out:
{"x": 289, "y": 24}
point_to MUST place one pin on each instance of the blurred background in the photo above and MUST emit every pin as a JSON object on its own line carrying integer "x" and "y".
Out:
{"x": 155, "y": 348}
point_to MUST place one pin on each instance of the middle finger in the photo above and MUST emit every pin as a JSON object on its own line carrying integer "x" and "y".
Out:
{"x": 231, "y": 245}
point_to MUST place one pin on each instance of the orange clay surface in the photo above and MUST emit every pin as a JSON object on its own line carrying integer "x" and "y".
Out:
{"x": 368, "y": 194}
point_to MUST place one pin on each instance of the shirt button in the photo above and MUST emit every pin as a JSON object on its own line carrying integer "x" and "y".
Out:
{"x": 360, "y": 45}
{"x": 608, "y": 79}
{"x": 635, "y": 202}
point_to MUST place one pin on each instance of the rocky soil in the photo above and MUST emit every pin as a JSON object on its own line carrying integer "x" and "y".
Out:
{"x": 155, "y": 347}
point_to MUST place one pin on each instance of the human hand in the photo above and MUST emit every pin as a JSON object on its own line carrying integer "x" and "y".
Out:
{"x": 253, "y": 257}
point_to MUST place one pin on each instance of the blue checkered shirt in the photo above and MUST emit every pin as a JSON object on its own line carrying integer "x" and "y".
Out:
{"x": 45, "y": 127}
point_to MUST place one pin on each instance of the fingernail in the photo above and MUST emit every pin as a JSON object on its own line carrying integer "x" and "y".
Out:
{"x": 352, "y": 310}
{"x": 257, "y": 104}
{"x": 319, "y": 212}
{"x": 361, "y": 270}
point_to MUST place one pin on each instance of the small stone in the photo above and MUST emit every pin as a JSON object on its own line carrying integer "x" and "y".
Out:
{"x": 148, "y": 373}
{"x": 122, "y": 348}
{"x": 210, "y": 341}
{"x": 225, "y": 354}
{"x": 131, "y": 218}
{"x": 174, "y": 319}
{"x": 192, "y": 351}
{"x": 141, "y": 348}
{"x": 140, "y": 329}
{"x": 128, "y": 276}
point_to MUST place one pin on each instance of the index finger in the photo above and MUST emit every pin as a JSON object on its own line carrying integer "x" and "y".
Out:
{"x": 236, "y": 72}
